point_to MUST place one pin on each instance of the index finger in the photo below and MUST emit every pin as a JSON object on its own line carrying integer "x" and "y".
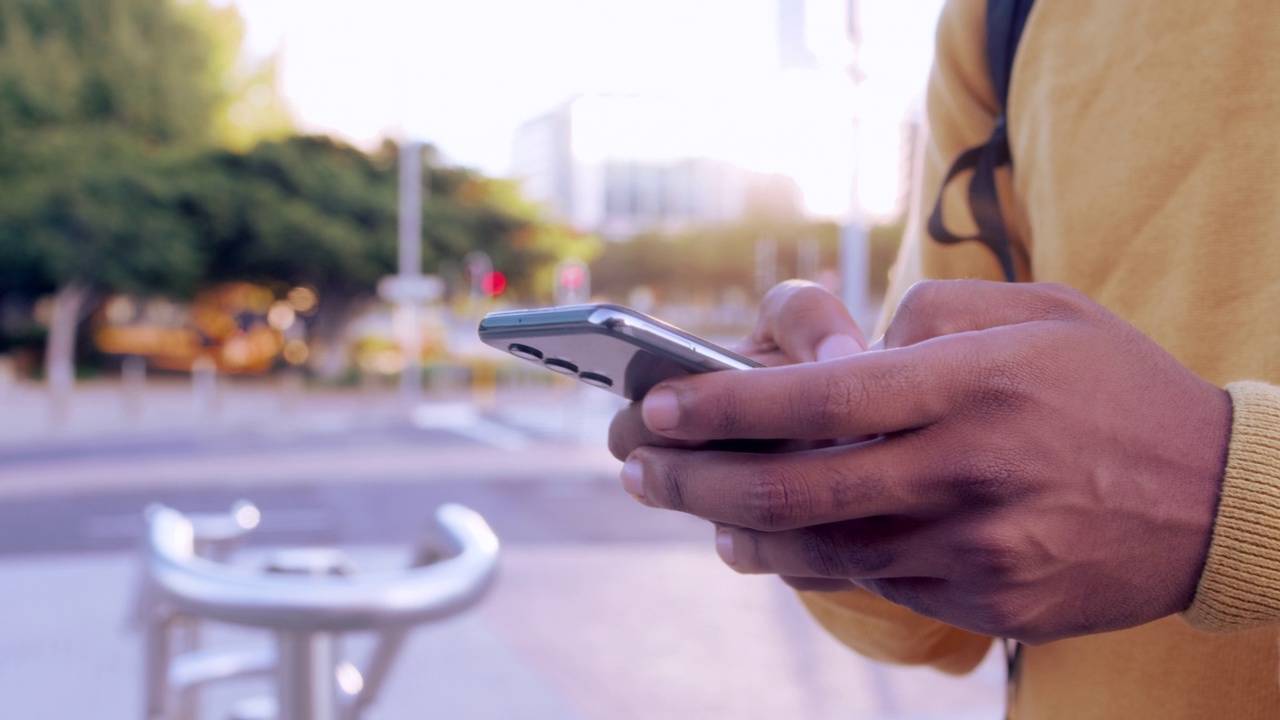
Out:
{"x": 872, "y": 393}
{"x": 807, "y": 323}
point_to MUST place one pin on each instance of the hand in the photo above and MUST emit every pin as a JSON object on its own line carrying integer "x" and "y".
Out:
{"x": 1041, "y": 469}
{"x": 799, "y": 322}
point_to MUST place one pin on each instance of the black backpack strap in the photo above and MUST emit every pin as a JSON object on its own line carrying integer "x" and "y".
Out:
{"x": 1005, "y": 22}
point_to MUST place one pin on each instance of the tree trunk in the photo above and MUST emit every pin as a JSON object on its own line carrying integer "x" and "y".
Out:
{"x": 60, "y": 349}
{"x": 327, "y": 331}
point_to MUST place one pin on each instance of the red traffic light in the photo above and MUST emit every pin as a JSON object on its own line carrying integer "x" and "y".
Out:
{"x": 493, "y": 284}
{"x": 572, "y": 277}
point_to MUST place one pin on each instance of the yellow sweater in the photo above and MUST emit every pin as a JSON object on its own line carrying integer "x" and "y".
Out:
{"x": 1146, "y": 137}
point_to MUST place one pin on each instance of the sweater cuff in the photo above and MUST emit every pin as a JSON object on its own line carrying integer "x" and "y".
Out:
{"x": 1240, "y": 586}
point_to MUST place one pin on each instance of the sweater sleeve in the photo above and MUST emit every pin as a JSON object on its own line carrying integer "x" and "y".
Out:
{"x": 891, "y": 633}
{"x": 1240, "y": 585}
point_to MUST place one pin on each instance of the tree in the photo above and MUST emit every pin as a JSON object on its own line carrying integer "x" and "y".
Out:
{"x": 141, "y": 67}
{"x": 137, "y": 154}
{"x": 314, "y": 211}
{"x": 97, "y": 98}
{"x": 102, "y": 218}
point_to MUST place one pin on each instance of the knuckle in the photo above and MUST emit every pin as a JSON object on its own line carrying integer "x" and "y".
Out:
{"x": 805, "y": 298}
{"x": 781, "y": 292}
{"x": 780, "y": 301}
{"x": 848, "y": 494}
{"x": 828, "y": 404}
{"x": 1001, "y": 387}
{"x": 915, "y": 318}
{"x": 940, "y": 308}
{"x": 986, "y": 478}
{"x": 671, "y": 479}
{"x": 822, "y": 557}
{"x": 867, "y": 558}
{"x": 776, "y": 500}
{"x": 726, "y": 415}
{"x": 924, "y": 294}
{"x": 1054, "y": 301}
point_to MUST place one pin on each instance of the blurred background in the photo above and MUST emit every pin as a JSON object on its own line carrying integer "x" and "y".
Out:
{"x": 244, "y": 247}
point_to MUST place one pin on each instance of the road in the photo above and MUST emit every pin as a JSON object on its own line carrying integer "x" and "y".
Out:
{"x": 371, "y": 487}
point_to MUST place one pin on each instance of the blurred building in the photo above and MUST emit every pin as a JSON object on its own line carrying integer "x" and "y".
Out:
{"x": 620, "y": 165}
{"x": 793, "y": 45}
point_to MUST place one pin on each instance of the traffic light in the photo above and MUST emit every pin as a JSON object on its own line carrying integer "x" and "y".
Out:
{"x": 573, "y": 282}
{"x": 572, "y": 277}
{"x": 493, "y": 283}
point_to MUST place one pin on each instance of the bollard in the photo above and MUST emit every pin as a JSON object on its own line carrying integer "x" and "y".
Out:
{"x": 204, "y": 386}
{"x": 484, "y": 385}
{"x": 168, "y": 636}
{"x": 292, "y": 386}
{"x": 306, "y": 661}
{"x": 307, "y": 599}
{"x": 8, "y": 376}
{"x": 133, "y": 383}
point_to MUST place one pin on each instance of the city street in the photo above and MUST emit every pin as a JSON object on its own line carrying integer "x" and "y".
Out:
{"x": 603, "y": 609}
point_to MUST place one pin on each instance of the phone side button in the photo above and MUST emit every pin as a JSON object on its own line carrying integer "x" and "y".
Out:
{"x": 524, "y": 352}
{"x": 596, "y": 379}
{"x": 563, "y": 367}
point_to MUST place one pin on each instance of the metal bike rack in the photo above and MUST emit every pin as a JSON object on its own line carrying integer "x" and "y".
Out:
{"x": 307, "y": 598}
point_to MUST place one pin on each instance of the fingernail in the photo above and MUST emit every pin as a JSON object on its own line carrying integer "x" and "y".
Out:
{"x": 724, "y": 546}
{"x": 661, "y": 409}
{"x": 838, "y": 346}
{"x": 633, "y": 479}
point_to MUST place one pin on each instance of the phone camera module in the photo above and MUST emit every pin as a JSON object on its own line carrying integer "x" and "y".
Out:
{"x": 596, "y": 379}
{"x": 564, "y": 367}
{"x": 524, "y": 352}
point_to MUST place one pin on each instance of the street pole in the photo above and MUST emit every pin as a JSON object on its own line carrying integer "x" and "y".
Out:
{"x": 808, "y": 259}
{"x": 766, "y": 265}
{"x": 410, "y": 256}
{"x": 855, "y": 248}
{"x": 855, "y": 251}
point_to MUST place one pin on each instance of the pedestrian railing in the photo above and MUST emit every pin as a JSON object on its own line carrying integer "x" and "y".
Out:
{"x": 306, "y": 598}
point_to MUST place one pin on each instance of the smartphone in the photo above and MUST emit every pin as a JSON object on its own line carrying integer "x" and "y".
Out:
{"x": 608, "y": 346}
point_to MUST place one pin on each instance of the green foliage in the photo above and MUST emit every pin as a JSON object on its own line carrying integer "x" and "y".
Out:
{"x": 301, "y": 210}
{"x": 311, "y": 210}
{"x": 95, "y": 96}
{"x": 134, "y": 66}
{"x": 130, "y": 161}
{"x": 95, "y": 210}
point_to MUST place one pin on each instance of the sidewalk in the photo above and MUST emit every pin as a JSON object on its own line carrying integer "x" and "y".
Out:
{"x": 646, "y": 632}
{"x": 107, "y": 410}
{"x": 267, "y": 434}
{"x": 108, "y": 413}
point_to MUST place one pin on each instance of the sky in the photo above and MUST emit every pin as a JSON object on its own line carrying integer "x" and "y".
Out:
{"x": 465, "y": 74}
